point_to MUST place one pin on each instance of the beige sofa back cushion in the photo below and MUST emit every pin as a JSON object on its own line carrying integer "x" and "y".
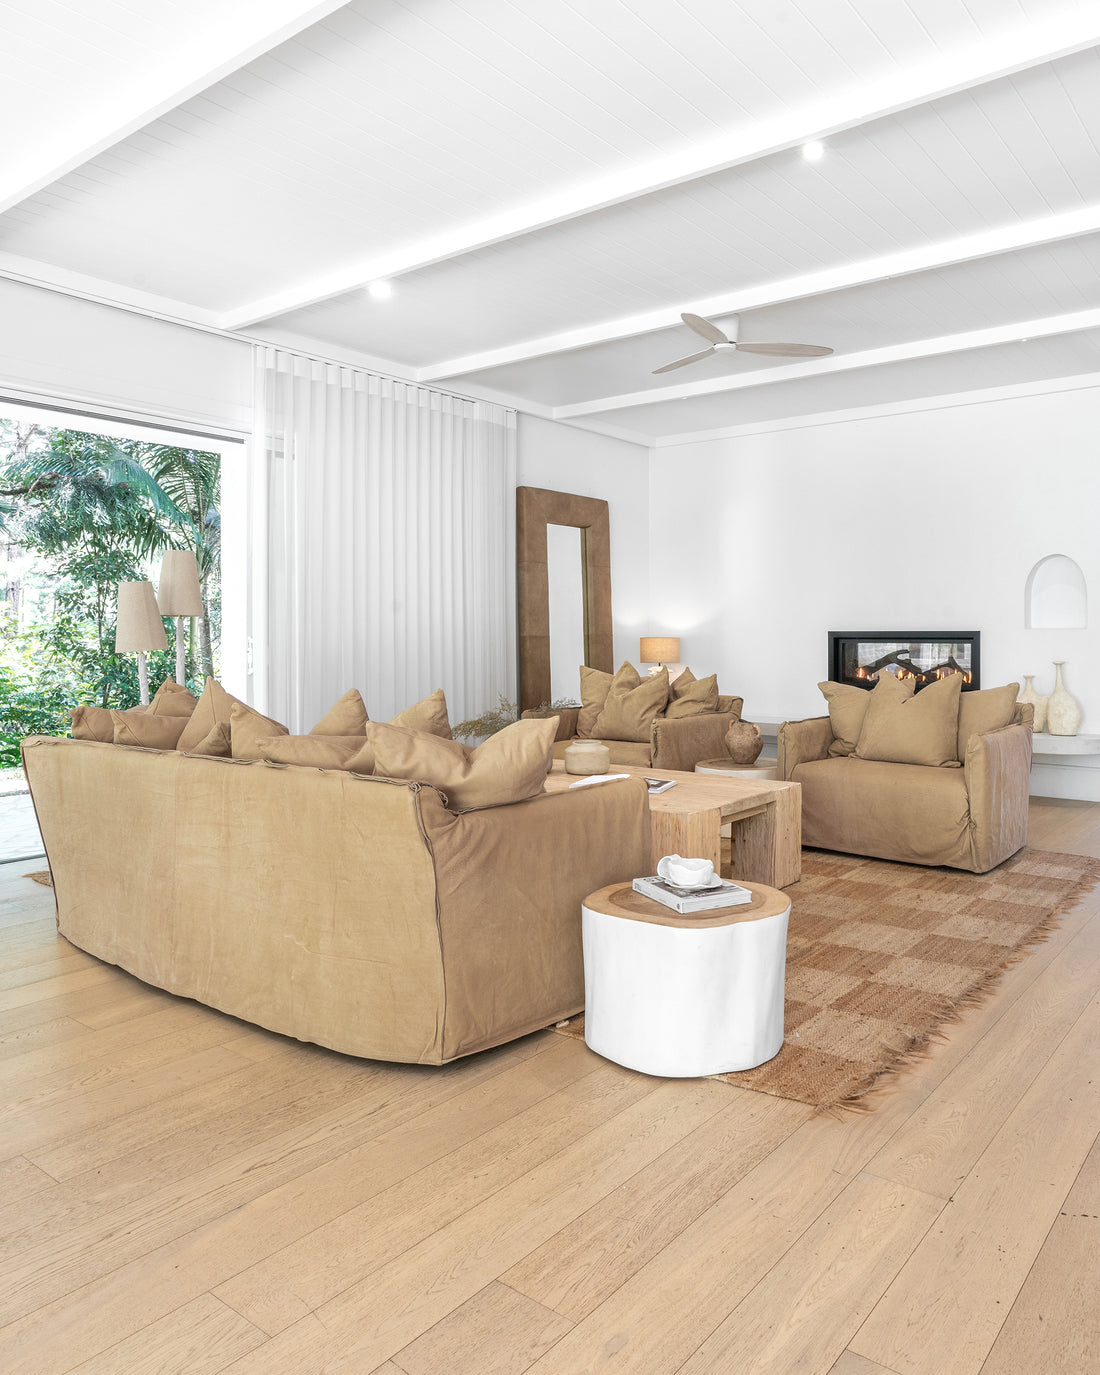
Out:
{"x": 691, "y": 696}
{"x": 595, "y": 685}
{"x": 632, "y": 706}
{"x": 348, "y": 716}
{"x": 510, "y": 766}
{"x": 147, "y": 731}
{"x": 429, "y": 715}
{"x": 247, "y": 728}
{"x": 171, "y": 699}
{"x": 903, "y": 728}
{"x": 213, "y": 708}
{"x": 319, "y": 751}
{"x": 989, "y": 709}
{"x": 847, "y": 710}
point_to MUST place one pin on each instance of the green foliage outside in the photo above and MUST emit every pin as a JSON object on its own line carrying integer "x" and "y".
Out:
{"x": 80, "y": 513}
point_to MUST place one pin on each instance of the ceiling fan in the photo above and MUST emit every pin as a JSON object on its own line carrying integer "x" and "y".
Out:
{"x": 720, "y": 341}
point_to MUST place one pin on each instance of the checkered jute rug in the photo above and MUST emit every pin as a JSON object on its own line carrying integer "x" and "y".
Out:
{"x": 881, "y": 955}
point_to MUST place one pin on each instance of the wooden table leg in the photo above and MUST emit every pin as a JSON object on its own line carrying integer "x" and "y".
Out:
{"x": 696, "y": 834}
{"x": 767, "y": 848}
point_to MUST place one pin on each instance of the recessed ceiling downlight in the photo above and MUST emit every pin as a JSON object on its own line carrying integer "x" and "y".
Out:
{"x": 380, "y": 291}
{"x": 813, "y": 151}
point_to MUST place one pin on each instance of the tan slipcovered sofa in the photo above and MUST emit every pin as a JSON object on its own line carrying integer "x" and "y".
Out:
{"x": 971, "y": 813}
{"x": 356, "y": 912}
{"x": 672, "y": 727}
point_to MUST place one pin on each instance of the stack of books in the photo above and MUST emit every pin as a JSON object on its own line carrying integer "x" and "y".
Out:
{"x": 724, "y": 893}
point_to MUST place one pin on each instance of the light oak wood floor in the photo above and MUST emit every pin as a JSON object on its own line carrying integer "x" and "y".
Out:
{"x": 181, "y": 1192}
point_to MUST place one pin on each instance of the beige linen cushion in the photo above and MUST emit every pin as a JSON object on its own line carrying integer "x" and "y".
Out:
{"x": 213, "y": 707}
{"x": 348, "y": 716}
{"x": 847, "y": 709}
{"x": 632, "y": 706}
{"x": 989, "y": 709}
{"x": 93, "y": 723}
{"x": 247, "y": 727}
{"x": 691, "y": 696}
{"x": 147, "y": 731}
{"x": 905, "y": 729}
{"x": 171, "y": 699}
{"x": 595, "y": 685}
{"x": 218, "y": 744}
{"x": 508, "y": 767}
{"x": 429, "y": 715}
{"x": 318, "y": 751}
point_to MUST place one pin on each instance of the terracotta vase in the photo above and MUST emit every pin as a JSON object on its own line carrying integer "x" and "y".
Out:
{"x": 1037, "y": 700}
{"x": 743, "y": 742}
{"x": 587, "y": 757}
{"x": 1063, "y": 712}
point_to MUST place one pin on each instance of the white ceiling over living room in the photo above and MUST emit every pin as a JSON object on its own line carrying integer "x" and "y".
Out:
{"x": 548, "y": 186}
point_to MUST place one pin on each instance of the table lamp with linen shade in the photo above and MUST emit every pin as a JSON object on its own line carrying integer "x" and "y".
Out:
{"x": 139, "y": 627}
{"x": 661, "y": 650}
{"x": 180, "y": 595}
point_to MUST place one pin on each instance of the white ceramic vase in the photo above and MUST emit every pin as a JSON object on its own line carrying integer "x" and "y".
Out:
{"x": 1037, "y": 700}
{"x": 587, "y": 757}
{"x": 1063, "y": 713}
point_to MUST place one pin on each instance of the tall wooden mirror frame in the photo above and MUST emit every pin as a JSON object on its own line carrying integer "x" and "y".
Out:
{"x": 536, "y": 508}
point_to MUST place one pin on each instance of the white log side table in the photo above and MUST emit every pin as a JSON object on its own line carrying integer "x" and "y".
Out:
{"x": 684, "y": 996}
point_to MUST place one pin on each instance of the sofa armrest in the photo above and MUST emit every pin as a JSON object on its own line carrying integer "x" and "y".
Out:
{"x": 567, "y": 720}
{"x": 997, "y": 769}
{"x": 680, "y": 742}
{"x": 799, "y": 742}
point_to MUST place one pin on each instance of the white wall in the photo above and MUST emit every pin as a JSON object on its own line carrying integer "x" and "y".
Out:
{"x": 57, "y": 347}
{"x": 920, "y": 521}
{"x": 565, "y": 459}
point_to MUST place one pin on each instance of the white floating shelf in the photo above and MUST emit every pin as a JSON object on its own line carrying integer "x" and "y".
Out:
{"x": 1042, "y": 743}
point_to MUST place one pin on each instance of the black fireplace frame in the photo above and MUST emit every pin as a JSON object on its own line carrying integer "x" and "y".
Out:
{"x": 839, "y": 638}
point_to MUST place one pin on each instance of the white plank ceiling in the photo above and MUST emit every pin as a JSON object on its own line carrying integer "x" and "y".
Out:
{"x": 547, "y": 186}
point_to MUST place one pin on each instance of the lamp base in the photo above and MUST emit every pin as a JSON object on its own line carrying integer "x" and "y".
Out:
{"x": 143, "y": 677}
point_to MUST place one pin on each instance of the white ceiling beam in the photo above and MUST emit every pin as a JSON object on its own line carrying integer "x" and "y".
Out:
{"x": 867, "y": 101}
{"x": 1016, "y": 332}
{"x": 159, "y": 86}
{"x": 965, "y": 248}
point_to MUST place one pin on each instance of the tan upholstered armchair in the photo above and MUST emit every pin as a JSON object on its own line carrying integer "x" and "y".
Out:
{"x": 969, "y": 817}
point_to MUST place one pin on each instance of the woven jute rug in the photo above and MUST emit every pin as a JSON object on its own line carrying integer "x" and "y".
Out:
{"x": 880, "y": 955}
{"x": 42, "y": 876}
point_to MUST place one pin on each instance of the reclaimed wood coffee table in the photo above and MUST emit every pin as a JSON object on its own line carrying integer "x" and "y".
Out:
{"x": 765, "y": 816}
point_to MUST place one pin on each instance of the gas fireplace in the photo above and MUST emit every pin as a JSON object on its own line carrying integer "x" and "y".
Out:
{"x": 860, "y": 657}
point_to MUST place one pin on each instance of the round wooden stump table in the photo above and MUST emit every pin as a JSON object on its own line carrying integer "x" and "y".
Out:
{"x": 684, "y": 996}
{"x": 765, "y": 768}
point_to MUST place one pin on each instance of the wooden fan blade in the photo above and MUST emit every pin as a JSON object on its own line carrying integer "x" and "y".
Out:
{"x": 691, "y": 358}
{"x": 786, "y": 350}
{"x": 704, "y": 327}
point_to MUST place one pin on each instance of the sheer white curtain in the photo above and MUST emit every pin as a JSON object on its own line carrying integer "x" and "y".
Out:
{"x": 382, "y": 538}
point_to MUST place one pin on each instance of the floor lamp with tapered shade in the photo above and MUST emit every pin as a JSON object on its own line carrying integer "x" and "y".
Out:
{"x": 139, "y": 627}
{"x": 180, "y": 595}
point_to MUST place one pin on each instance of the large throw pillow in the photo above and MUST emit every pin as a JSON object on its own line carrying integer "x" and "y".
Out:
{"x": 170, "y": 699}
{"x": 989, "y": 709}
{"x": 348, "y": 716}
{"x": 97, "y": 723}
{"x": 247, "y": 727}
{"x": 213, "y": 707}
{"x": 147, "y": 731}
{"x": 429, "y": 715}
{"x": 508, "y": 767}
{"x": 595, "y": 685}
{"x": 847, "y": 709}
{"x": 630, "y": 710}
{"x": 691, "y": 696}
{"x": 908, "y": 729}
{"x": 318, "y": 751}
{"x": 218, "y": 744}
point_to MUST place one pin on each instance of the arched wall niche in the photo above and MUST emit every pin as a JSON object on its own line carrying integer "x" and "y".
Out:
{"x": 1056, "y": 595}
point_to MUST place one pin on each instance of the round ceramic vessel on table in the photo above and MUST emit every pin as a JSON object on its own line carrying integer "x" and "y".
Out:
{"x": 684, "y": 996}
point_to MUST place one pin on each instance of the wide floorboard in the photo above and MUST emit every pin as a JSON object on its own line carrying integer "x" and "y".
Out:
{"x": 181, "y": 1192}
